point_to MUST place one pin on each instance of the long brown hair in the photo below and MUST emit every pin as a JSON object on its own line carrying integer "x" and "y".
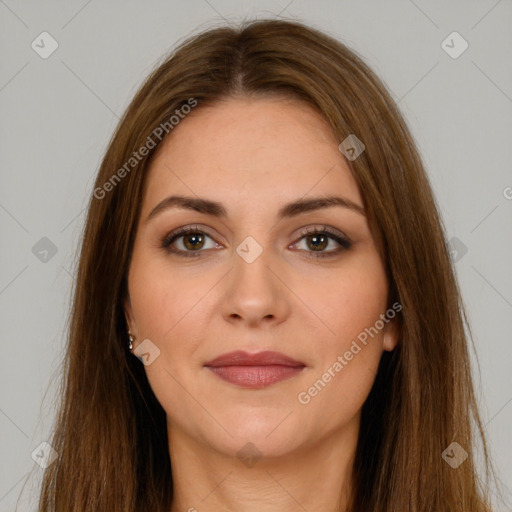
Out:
{"x": 110, "y": 432}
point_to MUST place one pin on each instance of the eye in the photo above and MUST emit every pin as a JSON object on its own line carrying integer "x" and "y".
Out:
{"x": 318, "y": 239}
{"x": 190, "y": 240}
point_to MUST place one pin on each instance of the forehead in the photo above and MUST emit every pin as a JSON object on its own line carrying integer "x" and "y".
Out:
{"x": 249, "y": 151}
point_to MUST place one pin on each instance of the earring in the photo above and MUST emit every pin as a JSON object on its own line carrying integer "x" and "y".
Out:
{"x": 132, "y": 339}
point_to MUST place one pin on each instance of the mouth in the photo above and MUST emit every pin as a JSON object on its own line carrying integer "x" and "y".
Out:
{"x": 254, "y": 370}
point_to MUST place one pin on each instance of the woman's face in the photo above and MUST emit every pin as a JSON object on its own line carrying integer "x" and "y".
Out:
{"x": 250, "y": 275}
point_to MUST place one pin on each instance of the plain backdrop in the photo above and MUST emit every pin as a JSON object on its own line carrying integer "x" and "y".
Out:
{"x": 58, "y": 113}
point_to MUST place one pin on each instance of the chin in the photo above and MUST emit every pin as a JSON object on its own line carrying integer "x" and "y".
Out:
{"x": 251, "y": 449}
{"x": 256, "y": 437}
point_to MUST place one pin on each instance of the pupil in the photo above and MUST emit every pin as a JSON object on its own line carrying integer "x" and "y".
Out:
{"x": 319, "y": 241}
{"x": 192, "y": 246}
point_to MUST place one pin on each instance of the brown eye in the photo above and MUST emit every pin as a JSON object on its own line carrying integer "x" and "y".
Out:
{"x": 188, "y": 242}
{"x": 193, "y": 241}
{"x": 318, "y": 240}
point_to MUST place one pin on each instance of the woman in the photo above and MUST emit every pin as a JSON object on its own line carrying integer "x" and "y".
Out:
{"x": 265, "y": 314}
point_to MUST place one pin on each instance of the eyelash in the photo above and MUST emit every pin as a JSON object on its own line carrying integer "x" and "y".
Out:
{"x": 325, "y": 230}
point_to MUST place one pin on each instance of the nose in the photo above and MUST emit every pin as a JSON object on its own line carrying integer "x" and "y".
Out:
{"x": 255, "y": 295}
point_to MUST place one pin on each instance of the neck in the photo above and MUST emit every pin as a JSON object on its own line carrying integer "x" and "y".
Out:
{"x": 313, "y": 478}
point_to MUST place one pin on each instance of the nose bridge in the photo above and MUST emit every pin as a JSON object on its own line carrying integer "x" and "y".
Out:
{"x": 254, "y": 293}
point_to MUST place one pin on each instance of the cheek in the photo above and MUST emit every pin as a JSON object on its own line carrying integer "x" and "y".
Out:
{"x": 167, "y": 308}
{"x": 338, "y": 385}
{"x": 350, "y": 351}
{"x": 164, "y": 299}
{"x": 350, "y": 300}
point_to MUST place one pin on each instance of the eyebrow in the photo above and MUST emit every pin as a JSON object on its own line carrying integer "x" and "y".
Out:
{"x": 289, "y": 210}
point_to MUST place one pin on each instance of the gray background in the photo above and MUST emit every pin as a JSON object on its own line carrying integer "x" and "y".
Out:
{"x": 59, "y": 113}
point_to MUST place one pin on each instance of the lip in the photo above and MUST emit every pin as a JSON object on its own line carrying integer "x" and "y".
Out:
{"x": 254, "y": 370}
{"x": 242, "y": 358}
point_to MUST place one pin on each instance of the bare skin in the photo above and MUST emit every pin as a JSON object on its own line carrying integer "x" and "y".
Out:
{"x": 254, "y": 156}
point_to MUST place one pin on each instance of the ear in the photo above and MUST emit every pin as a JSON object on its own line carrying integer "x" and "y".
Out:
{"x": 128, "y": 313}
{"x": 391, "y": 335}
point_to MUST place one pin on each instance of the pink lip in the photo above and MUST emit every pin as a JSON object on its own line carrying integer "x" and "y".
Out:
{"x": 254, "y": 370}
